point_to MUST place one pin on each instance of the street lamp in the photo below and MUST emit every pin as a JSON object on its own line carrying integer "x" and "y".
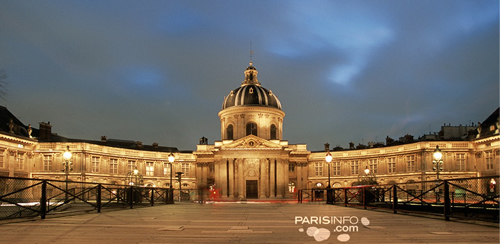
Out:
{"x": 437, "y": 164}
{"x": 171, "y": 159}
{"x": 368, "y": 178}
{"x": 328, "y": 159}
{"x": 179, "y": 177}
{"x": 67, "y": 167}
{"x": 134, "y": 177}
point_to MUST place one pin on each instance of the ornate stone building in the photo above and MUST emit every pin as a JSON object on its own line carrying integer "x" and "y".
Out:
{"x": 251, "y": 161}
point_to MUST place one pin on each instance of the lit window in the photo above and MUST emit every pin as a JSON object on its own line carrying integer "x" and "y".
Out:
{"x": 185, "y": 169}
{"x": 489, "y": 159}
{"x": 318, "y": 168}
{"x": 150, "y": 169}
{"x": 166, "y": 169}
{"x": 392, "y": 165}
{"x": 410, "y": 163}
{"x": 131, "y": 165}
{"x": 20, "y": 162}
{"x": 47, "y": 162}
{"x": 291, "y": 187}
{"x": 95, "y": 164}
{"x": 373, "y": 165}
{"x": 113, "y": 166}
{"x": 354, "y": 167}
{"x": 460, "y": 161}
{"x": 336, "y": 168}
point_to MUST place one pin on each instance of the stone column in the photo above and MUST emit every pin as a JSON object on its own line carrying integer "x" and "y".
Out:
{"x": 217, "y": 175}
{"x": 262, "y": 178}
{"x": 286, "y": 177}
{"x": 240, "y": 178}
{"x": 272, "y": 177}
{"x": 230, "y": 171}
{"x": 221, "y": 184}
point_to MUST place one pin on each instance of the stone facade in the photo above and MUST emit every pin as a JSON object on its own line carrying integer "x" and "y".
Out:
{"x": 251, "y": 161}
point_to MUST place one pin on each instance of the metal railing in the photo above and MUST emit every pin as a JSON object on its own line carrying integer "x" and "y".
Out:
{"x": 25, "y": 197}
{"x": 467, "y": 198}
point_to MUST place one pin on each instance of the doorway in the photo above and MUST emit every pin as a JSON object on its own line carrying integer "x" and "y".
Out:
{"x": 252, "y": 189}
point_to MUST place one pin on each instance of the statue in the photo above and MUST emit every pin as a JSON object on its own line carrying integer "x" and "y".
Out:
{"x": 29, "y": 131}
{"x": 11, "y": 126}
{"x": 478, "y": 129}
{"x": 497, "y": 130}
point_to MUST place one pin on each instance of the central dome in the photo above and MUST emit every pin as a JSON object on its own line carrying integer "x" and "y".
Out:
{"x": 251, "y": 93}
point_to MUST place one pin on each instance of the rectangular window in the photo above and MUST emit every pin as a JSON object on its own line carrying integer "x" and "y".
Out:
{"x": 460, "y": 161}
{"x": 354, "y": 167}
{"x": 20, "y": 162}
{"x": 318, "y": 168}
{"x": 373, "y": 165}
{"x": 185, "y": 169}
{"x": 166, "y": 169}
{"x": 211, "y": 167}
{"x": 336, "y": 168}
{"x": 391, "y": 165}
{"x": 130, "y": 165}
{"x": 150, "y": 168}
{"x": 95, "y": 164}
{"x": 489, "y": 159}
{"x": 113, "y": 166}
{"x": 47, "y": 162}
{"x": 291, "y": 168}
{"x": 410, "y": 163}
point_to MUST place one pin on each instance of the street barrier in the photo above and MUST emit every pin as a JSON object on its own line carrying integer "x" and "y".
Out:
{"x": 25, "y": 197}
{"x": 466, "y": 198}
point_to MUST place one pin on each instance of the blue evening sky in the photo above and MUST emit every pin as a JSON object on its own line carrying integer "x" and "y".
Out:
{"x": 157, "y": 71}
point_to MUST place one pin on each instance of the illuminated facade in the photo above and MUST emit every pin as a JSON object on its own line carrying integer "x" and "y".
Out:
{"x": 251, "y": 161}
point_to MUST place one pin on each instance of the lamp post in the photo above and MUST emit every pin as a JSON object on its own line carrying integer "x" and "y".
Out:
{"x": 328, "y": 159}
{"x": 329, "y": 190}
{"x": 437, "y": 164}
{"x": 179, "y": 177}
{"x": 67, "y": 167}
{"x": 171, "y": 159}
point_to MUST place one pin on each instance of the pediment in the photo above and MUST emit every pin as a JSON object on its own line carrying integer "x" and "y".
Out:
{"x": 252, "y": 142}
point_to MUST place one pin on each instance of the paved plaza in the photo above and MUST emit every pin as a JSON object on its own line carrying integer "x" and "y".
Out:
{"x": 245, "y": 223}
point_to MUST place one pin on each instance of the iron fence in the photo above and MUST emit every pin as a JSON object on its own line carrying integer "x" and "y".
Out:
{"x": 467, "y": 198}
{"x": 24, "y": 197}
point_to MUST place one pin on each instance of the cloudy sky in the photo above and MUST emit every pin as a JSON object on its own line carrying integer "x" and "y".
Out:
{"x": 157, "y": 71}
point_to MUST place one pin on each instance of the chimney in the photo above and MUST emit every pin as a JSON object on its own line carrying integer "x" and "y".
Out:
{"x": 45, "y": 133}
{"x": 104, "y": 139}
{"x": 155, "y": 145}
{"x": 351, "y": 145}
{"x": 138, "y": 144}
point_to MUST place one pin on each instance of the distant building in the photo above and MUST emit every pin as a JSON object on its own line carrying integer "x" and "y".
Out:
{"x": 251, "y": 160}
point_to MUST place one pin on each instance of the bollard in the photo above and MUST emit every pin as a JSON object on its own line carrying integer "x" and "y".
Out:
{"x": 394, "y": 199}
{"x": 99, "y": 189}
{"x": 43, "y": 200}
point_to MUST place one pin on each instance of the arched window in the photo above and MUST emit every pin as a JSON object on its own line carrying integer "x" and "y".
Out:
{"x": 251, "y": 129}
{"x": 229, "y": 132}
{"x": 273, "y": 132}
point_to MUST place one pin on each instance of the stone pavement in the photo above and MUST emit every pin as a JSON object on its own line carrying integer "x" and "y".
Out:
{"x": 245, "y": 223}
